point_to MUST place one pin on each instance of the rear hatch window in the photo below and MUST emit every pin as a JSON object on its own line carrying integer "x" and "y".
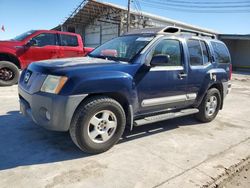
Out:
{"x": 221, "y": 52}
{"x": 222, "y": 57}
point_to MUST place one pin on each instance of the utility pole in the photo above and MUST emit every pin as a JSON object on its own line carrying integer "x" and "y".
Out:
{"x": 128, "y": 16}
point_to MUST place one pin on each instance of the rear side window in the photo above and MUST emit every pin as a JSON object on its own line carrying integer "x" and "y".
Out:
{"x": 69, "y": 40}
{"x": 198, "y": 52}
{"x": 205, "y": 53}
{"x": 45, "y": 39}
{"x": 221, "y": 53}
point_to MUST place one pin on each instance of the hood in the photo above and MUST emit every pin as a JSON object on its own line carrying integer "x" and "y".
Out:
{"x": 61, "y": 66}
{"x": 72, "y": 62}
{"x": 11, "y": 44}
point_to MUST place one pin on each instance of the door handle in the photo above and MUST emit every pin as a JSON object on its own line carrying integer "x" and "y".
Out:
{"x": 182, "y": 75}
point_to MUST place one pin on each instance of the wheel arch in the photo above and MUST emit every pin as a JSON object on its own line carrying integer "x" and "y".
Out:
{"x": 120, "y": 98}
{"x": 11, "y": 58}
{"x": 218, "y": 86}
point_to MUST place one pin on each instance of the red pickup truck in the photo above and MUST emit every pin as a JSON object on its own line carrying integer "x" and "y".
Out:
{"x": 36, "y": 45}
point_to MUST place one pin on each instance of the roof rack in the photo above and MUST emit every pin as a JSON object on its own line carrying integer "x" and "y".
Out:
{"x": 179, "y": 30}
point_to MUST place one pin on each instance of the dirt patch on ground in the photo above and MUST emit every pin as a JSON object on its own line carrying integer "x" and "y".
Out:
{"x": 236, "y": 176}
{"x": 240, "y": 179}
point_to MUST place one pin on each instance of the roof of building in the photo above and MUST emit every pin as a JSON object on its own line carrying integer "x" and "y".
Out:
{"x": 91, "y": 9}
{"x": 234, "y": 37}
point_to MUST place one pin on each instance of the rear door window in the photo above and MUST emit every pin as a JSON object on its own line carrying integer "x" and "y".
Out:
{"x": 69, "y": 40}
{"x": 195, "y": 52}
{"x": 221, "y": 53}
{"x": 198, "y": 52}
{"x": 45, "y": 39}
{"x": 205, "y": 53}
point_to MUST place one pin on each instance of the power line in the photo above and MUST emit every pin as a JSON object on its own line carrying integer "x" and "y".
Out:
{"x": 164, "y": 6}
{"x": 207, "y": 2}
{"x": 196, "y": 11}
{"x": 137, "y": 6}
{"x": 196, "y": 6}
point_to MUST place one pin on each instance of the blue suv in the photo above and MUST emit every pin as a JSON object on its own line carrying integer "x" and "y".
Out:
{"x": 142, "y": 77}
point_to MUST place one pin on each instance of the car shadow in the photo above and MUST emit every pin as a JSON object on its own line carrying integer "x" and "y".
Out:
{"x": 23, "y": 143}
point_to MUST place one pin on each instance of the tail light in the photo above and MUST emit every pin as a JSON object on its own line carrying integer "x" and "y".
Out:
{"x": 230, "y": 71}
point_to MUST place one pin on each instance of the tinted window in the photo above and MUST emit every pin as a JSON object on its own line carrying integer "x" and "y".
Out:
{"x": 69, "y": 40}
{"x": 172, "y": 48}
{"x": 204, "y": 52}
{"x": 45, "y": 39}
{"x": 195, "y": 52}
{"x": 221, "y": 53}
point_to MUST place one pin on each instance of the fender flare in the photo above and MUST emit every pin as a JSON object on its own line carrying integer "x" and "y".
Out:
{"x": 11, "y": 55}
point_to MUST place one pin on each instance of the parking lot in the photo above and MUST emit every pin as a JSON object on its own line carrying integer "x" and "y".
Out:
{"x": 172, "y": 153}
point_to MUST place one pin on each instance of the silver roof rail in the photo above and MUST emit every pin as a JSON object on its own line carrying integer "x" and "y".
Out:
{"x": 179, "y": 30}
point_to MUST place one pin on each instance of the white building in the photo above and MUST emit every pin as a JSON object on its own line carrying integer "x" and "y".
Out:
{"x": 98, "y": 22}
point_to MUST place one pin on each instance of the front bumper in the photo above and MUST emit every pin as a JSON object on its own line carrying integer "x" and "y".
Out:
{"x": 53, "y": 112}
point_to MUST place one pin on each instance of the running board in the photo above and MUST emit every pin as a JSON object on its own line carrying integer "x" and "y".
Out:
{"x": 162, "y": 117}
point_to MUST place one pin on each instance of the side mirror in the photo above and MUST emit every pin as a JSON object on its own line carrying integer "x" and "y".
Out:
{"x": 32, "y": 42}
{"x": 159, "y": 60}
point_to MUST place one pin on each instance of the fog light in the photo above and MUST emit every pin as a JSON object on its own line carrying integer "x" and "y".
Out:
{"x": 47, "y": 114}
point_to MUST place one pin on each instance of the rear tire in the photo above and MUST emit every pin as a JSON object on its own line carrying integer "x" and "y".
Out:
{"x": 209, "y": 106}
{"x": 97, "y": 124}
{"x": 9, "y": 73}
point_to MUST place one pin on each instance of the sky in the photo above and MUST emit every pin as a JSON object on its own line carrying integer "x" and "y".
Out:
{"x": 19, "y": 16}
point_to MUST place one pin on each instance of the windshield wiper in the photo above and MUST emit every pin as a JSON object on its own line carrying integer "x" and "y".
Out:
{"x": 97, "y": 56}
{"x": 117, "y": 59}
{"x": 104, "y": 57}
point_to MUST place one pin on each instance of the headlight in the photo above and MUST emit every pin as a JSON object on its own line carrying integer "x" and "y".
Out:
{"x": 53, "y": 84}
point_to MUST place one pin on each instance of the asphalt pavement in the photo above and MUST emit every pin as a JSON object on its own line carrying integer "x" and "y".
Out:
{"x": 175, "y": 153}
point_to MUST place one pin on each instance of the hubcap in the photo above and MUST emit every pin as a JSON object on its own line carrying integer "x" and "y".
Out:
{"x": 211, "y": 105}
{"x": 102, "y": 126}
{"x": 6, "y": 74}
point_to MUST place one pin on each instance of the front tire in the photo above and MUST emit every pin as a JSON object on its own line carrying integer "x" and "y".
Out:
{"x": 9, "y": 73}
{"x": 97, "y": 124}
{"x": 209, "y": 106}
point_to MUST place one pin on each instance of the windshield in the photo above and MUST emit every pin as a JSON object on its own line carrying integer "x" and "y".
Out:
{"x": 123, "y": 48}
{"x": 24, "y": 35}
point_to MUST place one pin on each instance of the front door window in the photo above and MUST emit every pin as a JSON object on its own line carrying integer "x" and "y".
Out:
{"x": 171, "y": 48}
